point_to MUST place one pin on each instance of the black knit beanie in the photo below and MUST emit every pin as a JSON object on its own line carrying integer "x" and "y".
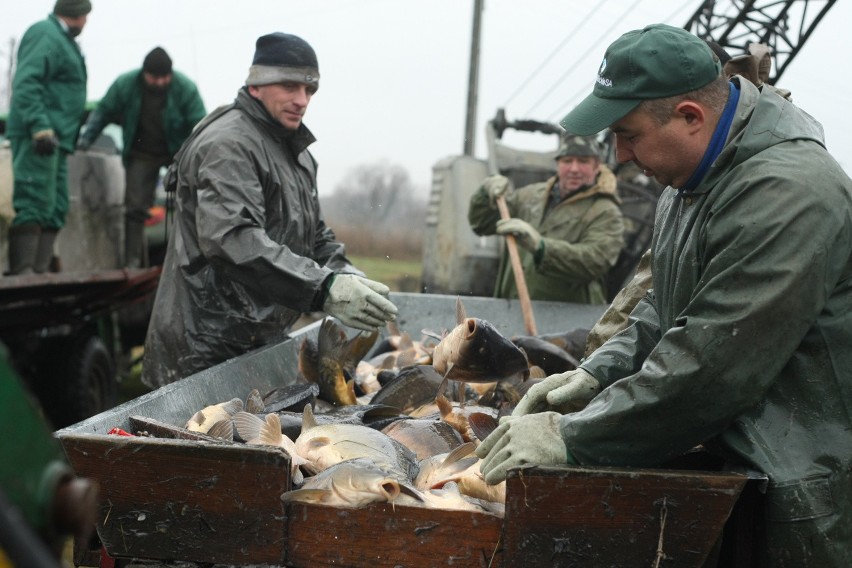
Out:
{"x": 72, "y": 8}
{"x": 280, "y": 57}
{"x": 157, "y": 63}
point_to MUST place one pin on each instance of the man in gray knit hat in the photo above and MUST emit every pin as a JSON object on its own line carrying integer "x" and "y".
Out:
{"x": 48, "y": 101}
{"x": 250, "y": 251}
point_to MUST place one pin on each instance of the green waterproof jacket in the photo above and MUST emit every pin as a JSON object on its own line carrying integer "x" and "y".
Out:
{"x": 745, "y": 342}
{"x": 49, "y": 88}
{"x": 250, "y": 250}
{"x": 123, "y": 102}
{"x": 582, "y": 238}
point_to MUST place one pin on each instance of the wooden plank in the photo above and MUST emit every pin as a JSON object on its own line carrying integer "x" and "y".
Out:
{"x": 578, "y": 516}
{"x": 187, "y": 500}
{"x": 384, "y": 535}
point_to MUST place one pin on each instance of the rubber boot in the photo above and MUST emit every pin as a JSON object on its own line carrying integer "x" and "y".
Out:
{"x": 133, "y": 238}
{"x": 44, "y": 253}
{"x": 23, "y": 246}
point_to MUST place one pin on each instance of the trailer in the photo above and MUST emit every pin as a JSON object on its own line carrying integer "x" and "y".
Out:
{"x": 188, "y": 498}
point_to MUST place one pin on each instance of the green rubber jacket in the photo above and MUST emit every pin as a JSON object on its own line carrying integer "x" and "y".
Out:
{"x": 122, "y": 103}
{"x": 582, "y": 238}
{"x": 745, "y": 342}
{"x": 49, "y": 88}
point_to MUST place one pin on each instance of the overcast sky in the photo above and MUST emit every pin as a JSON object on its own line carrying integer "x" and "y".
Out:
{"x": 394, "y": 73}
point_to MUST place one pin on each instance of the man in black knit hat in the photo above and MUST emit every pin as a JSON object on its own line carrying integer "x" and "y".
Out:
{"x": 157, "y": 107}
{"x": 48, "y": 101}
{"x": 250, "y": 251}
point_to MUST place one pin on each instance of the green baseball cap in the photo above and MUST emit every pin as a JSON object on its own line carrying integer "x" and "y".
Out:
{"x": 652, "y": 63}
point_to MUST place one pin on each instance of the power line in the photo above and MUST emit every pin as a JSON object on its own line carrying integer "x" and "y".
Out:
{"x": 570, "y": 35}
{"x": 579, "y": 59}
{"x": 570, "y": 103}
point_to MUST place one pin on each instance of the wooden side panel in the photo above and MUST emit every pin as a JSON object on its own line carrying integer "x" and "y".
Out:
{"x": 383, "y": 535}
{"x": 193, "y": 501}
{"x": 577, "y": 517}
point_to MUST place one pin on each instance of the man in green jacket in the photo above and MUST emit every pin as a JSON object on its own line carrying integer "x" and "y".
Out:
{"x": 48, "y": 100}
{"x": 570, "y": 227}
{"x": 742, "y": 345}
{"x": 157, "y": 107}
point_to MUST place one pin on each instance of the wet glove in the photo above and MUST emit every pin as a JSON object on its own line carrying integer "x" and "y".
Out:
{"x": 533, "y": 439}
{"x": 563, "y": 392}
{"x": 45, "y": 143}
{"x": 496, "y": 186}
{"x": 359, "y": 302}
{"x": 524, "y": 233}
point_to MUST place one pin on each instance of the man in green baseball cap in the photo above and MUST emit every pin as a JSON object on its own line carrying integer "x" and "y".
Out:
{"x": 742, "y": 346}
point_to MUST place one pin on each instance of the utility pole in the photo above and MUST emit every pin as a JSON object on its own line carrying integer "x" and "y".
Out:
{"x": 473, "y": 80}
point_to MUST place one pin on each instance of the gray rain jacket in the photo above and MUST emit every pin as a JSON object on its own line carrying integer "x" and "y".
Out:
{"x": 250, "y": 250}
{"x": 745, "y": 342}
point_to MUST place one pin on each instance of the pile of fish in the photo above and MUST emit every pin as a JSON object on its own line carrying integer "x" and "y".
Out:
{"x": 399, "y": 426}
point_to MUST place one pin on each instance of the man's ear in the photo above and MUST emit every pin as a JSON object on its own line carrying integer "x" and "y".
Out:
{"x": 692, "y": 113}
{"x": 253, "y": 91}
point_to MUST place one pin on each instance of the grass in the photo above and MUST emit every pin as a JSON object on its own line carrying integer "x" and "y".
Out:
{"x": 398, "y": 275}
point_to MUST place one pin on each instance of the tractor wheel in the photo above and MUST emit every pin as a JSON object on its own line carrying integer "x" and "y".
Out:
{"x": 81, "y": 380}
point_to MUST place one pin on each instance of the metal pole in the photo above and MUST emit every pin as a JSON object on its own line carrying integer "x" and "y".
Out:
{"x": 473, "y": 80}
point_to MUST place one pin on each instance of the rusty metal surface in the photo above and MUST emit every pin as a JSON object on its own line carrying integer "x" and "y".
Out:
{"x": 34, "y": 301}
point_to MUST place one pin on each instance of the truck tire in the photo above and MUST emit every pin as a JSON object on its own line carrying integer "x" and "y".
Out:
{"x": 80, "y": 380}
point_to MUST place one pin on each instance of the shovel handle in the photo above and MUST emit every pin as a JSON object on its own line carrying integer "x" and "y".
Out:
{"x": 518, "y": 270}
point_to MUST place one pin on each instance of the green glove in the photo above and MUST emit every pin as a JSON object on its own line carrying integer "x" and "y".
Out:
{"x": 359, "y": 302}
{"x": 532, "y": 439}
{"x": 496, "y": 186}
{"x": 563, "y": 392}
{"x": 525, "y": 234}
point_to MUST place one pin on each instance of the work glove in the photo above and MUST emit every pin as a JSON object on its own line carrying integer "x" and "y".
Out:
{"x": 533, "y": 439}
{"x": 496, "y": 186}
{"x": 563, "y": 392}
{"x": 359, "y": 302}
{"x": 524, "y": 233}
{"x": 45, "y": 143}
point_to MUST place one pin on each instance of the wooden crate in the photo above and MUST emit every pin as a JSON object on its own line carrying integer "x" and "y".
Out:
{"x": 185, "y": 500}
{"x": 577, "y": 516}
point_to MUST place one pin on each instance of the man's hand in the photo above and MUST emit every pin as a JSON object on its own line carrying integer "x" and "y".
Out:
{"x": 563, "y": 392}
{"x": 525, "y": 234}
{"x": 83, "y": 144}
{"x": 359, "y": 302}
{"x": 532, "y": 439}
{"x": 45, "y": 143}
{"x": 496, "y": 186}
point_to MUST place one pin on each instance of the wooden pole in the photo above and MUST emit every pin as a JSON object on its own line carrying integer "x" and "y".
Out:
{"x": 520, "y": 281}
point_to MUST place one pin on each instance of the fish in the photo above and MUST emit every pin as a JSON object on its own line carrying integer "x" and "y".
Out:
{"x": 290, "y": 398}
{"x": 545, "y": 354}
{"x": 336, "y": 360}
{"x": 353, "y": 483}
{"x": 457, "y": 416}
{"x": 267, "y": 432}
{"x": 412, "y": 387}
{"x": 450, "y": 497}
{"x": 475, "y": 352}
{"x": 438, "y": 469}
{"x": 425, "y": 437}
{"x": 573, "y": 341}
{"x": 327, "y": 444}
{"x": 203, "y": 420}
